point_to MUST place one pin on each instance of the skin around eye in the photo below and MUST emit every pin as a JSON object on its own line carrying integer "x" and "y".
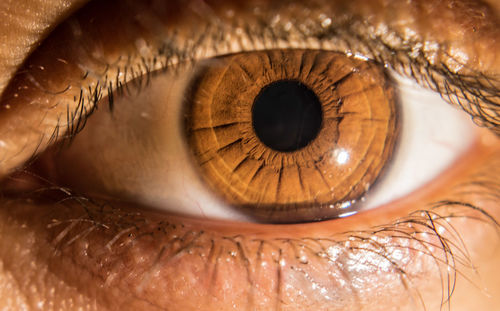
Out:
{"x": 45, "y": 234}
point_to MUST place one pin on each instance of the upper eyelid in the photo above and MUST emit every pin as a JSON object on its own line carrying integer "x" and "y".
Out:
{"x": 94, "y": 77}
{"x": 474, "y": 91}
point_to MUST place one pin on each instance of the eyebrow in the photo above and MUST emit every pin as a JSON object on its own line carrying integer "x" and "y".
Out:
{"x": 97, "y": 61}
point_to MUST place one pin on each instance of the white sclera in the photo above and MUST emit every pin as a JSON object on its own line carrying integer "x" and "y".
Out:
{"x": 168, "y": 178}
{"x": 433, "y": 136}
{"x": 139, "y": 152}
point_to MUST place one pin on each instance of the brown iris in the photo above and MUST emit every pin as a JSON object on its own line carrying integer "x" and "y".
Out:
{"x": 291, "y": 135}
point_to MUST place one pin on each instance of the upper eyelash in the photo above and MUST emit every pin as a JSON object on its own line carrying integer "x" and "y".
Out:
{"x": 475, "y": 93}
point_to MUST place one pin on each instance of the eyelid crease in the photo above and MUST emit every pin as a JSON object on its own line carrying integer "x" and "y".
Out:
{"x": 95, "y": 74}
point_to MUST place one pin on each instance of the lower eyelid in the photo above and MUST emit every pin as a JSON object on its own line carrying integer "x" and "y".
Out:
{"x": 172, "y": 265}
{"x": 174, "y": 260}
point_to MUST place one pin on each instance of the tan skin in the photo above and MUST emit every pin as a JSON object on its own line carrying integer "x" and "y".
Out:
{"x": 132, "y": 258}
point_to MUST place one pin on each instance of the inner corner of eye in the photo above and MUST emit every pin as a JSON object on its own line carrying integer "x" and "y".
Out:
{"x": 276, "y": 136}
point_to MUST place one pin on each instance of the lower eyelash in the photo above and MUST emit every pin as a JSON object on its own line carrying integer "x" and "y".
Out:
{"x": 391, "y": 248}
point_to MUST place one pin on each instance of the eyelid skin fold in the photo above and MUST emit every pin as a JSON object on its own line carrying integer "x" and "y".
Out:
{"x": 24, "y": 30}
{"x": 96, "y": 60}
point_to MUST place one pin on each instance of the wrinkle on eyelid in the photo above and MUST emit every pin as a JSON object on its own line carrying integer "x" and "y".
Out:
{"x": 23, "y": 24}
{"x": 52, "y": 85}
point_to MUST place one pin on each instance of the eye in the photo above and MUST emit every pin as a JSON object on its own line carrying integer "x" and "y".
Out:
{"x": 212, "y": 139}
{"x": 121, "y": 112}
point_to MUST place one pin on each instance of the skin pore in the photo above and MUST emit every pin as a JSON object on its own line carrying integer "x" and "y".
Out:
{"x": 442, "y": 241}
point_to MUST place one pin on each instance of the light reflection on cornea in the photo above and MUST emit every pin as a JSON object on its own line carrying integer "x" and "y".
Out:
{"x": 347, "y": 204}
{"x": 340, "y": 156}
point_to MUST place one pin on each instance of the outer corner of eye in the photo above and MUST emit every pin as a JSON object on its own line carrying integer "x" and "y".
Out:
{"x": 434, "y": 137}
{"x": 305, "y": 137}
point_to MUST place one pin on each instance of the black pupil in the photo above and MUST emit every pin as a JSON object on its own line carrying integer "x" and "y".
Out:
{"x": 286, "y": 115}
